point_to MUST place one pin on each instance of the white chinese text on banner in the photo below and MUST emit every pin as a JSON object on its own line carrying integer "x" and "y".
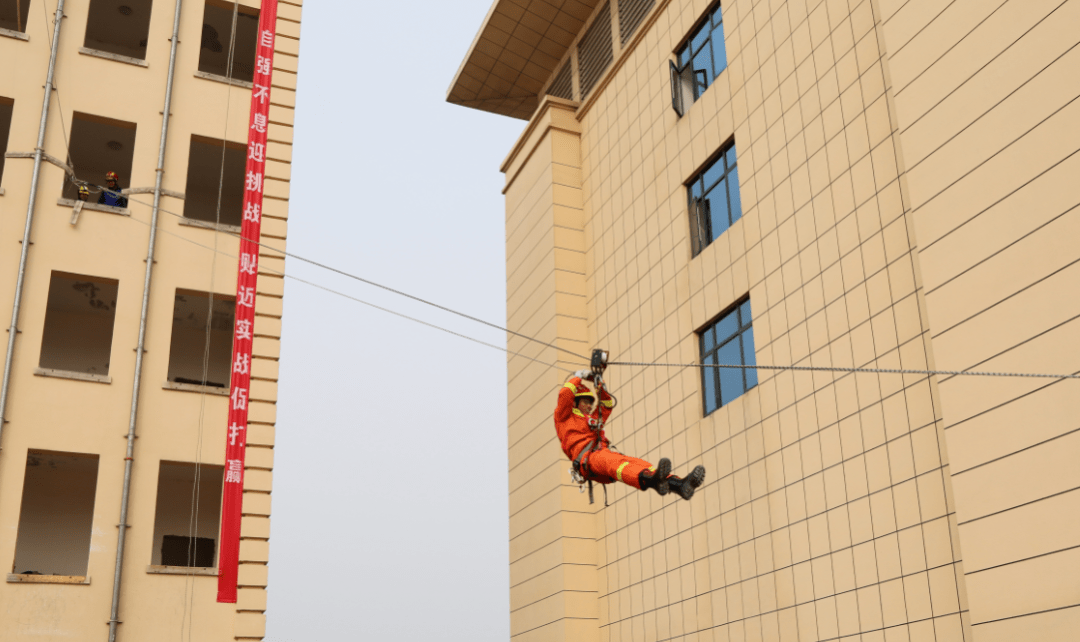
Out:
{"x": 247, "y": 273}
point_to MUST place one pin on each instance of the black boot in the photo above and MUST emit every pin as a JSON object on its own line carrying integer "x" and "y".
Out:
{"x": 685, "y": 486}
{"x": 657, "y": 479}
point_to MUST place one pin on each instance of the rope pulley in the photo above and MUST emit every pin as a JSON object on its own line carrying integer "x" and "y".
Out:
{"x": 599, "y": 361}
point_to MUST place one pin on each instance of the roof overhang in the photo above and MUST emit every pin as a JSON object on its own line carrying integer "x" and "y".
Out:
{"x": 517, "y": 49}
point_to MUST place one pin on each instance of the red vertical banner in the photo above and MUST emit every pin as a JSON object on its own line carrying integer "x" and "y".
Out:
{"x": 247, "y": 273}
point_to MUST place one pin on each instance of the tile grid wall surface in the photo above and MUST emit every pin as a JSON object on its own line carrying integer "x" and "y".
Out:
{"x": 826, "y": 500}
{"x": 987, "y": 107}
{"x": 552, "y": 543}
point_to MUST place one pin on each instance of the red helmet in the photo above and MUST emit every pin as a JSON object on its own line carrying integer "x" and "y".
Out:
{"x": 111, "y": 176}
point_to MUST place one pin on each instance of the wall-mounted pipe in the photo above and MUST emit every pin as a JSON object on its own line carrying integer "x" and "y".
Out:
{"x": 39, "y": 152}
{"x": 121, "y": 539}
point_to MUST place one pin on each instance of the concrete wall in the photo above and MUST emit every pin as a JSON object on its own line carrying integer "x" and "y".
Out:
{"x": 989, "y": 126}
{"x": 91, "y": 417}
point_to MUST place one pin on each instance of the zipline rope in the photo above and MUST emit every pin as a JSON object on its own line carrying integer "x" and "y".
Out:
{"x": 583, "y": 358}
{"x": 95, "y": 188}
{"x": 974, "y": 373}
{"x": 613, "y": 363}
{"x": 355, "y": 277}
{"x": 352, "y": 298}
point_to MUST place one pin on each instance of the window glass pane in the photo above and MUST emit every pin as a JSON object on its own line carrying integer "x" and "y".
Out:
{"x": 731, "y": 379}
{"x": 703, "y": 74}
{"x": 713, "y": 173}
{"x": 709, "y": 386}
{"x": 750, "y": 357}
{"x": 684, "y": 56}
{"x": 726, "y": 327}
{"x": 716, "y": 202}
{"x": 700, "y": 38}
{"x": 730, "y": 156}
{"x": 718, "y": 50}
{"x": 733, "y": 190}
{"x": 695, "y": 189}
{"x": 744, "y": 310}
{"x": 708, "y": 341}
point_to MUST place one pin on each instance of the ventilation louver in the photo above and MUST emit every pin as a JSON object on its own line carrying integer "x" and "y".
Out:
{"x": 631, "y": 14}
{"x": 563, "y": 85}
{"x": 594, "y": 51}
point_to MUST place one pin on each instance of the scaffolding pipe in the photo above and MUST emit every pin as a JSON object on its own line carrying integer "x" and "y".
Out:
{"x": 39, "y": 152}
{"x": 121, "y": 539}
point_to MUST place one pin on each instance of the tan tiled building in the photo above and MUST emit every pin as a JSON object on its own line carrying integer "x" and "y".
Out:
{"x": 846, "y": 183}
{"x": 72, "y": 393}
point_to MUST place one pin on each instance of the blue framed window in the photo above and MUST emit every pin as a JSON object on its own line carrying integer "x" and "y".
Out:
{"x": 730, "y": 340}
{"x": 714, "y": 199}
{"x": 698, "y": 62}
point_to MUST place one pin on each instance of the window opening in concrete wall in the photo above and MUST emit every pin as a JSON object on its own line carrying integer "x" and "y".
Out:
{"x": 216, "y": 31}
{"x": 699, "y": 61}
{"x": 631, "y": 13}
{"x": 729, "y": 340}
{"x": 595, "y": 53}
{"x": 98, "y": 146}
{"x": 7, "y": 106}
{"x": 13, "y": 14}
{"x": 185, "y": 522}
{"x": 189, "y": 339}
{"x": 714, "y": 199}
{"x": 118, "y": 27}
{"x": 57, "y": 515}
{"x": 205, "y": 177}
{"x": 78, "y": 331}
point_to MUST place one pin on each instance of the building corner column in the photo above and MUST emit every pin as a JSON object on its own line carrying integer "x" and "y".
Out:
{"x": 554, "y": 559}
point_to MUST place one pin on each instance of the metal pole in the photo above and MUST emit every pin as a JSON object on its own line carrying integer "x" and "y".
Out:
{"x": 121, "y": 539}
{"x": 39, "y": 150}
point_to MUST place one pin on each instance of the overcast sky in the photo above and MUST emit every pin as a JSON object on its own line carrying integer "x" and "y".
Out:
{"x": 389, "y": 505}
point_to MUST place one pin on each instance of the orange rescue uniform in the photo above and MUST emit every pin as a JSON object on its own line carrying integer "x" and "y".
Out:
{"x": 572, "y": 427}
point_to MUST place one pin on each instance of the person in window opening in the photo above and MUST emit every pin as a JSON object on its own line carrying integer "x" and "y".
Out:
{"x": 111, "y": 194}
{"x": 575, "y": 416}
{"x": 84, "y": 193}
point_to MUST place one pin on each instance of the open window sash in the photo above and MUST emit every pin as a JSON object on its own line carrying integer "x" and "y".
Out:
{"x": 682, "y": 87}
{"x": 699, "y": 225}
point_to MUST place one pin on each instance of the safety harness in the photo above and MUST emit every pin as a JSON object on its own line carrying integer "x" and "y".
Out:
{"x": 580, "y": 472}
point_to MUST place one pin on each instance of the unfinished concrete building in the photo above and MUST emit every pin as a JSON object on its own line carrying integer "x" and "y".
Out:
{"x": 74, "y": 388}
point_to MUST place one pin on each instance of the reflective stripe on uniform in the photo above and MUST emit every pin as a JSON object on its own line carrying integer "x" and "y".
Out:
{"x": 618, "y": 473}
{"x": 570, "y": 386}
{"x": 607, "y": 403}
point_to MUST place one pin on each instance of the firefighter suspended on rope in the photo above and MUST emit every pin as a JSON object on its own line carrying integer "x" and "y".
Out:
{"x": 580, "y": 417}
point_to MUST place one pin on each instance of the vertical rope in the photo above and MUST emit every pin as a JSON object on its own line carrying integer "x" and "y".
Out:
{"x": 193, "y": 518}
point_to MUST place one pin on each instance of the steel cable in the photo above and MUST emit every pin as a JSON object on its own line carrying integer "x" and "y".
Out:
{"x": 976, "y": 373}
{"x": 584, "y": 358}
{"x": 354, "y": 277}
